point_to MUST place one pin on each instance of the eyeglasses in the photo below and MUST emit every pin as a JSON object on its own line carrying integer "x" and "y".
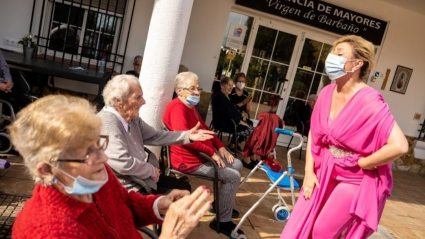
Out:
{"x": 101, "y": 144}
{"x": 193, "y": 89}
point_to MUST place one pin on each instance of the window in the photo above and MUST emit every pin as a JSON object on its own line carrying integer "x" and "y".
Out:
{"x": 66, "y": 27}
{"x": 83, "y": 31}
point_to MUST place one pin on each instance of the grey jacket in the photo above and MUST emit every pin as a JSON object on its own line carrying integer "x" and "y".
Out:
{"x": 125, "y": 151}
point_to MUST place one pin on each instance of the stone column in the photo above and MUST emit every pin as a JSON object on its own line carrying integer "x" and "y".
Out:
{"x": 161, "y": 59}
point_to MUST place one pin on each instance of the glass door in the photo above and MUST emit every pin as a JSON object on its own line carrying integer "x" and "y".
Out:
{"x": 310, "y": 76}
{"x": 284, "y": 64}
{"x": 267, "y": 69}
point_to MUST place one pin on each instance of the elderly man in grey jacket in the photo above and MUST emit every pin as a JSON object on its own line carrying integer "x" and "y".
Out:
{"x": 128, "y": 134}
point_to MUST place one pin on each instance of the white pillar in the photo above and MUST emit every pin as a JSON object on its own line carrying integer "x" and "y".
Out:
{"x": 161, "y": 59}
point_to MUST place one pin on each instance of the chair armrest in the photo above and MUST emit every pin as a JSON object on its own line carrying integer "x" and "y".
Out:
{"x": 148, "y": 232}
{"x": 12, "y": 112}
{"x": 141, "y": 182}
{"x": 205, "y": 156}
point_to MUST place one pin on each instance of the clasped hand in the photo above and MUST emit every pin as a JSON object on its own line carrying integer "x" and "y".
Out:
{"x": 6, "y": 86}
{"x": 225, "y": 155}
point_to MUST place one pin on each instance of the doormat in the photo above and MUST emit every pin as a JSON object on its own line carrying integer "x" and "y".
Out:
{"x": 10, "y": 206}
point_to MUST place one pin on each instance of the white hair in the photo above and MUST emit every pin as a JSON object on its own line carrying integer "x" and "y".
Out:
{"x": 311, "y": 97}
{"x": 118, "y": 88}
{"x": 182, "y": 78}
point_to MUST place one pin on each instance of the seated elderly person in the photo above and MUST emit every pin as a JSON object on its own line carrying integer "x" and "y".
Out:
{"x": 6, "y": 85}
{"x": 76, "y": 194}
{"x": 181, "y": 114}
{"x": 137, "y": 65}
{"x": 305, "y": 113}
{"x": 128, "y": 134}
{"x": 224, "y": 112}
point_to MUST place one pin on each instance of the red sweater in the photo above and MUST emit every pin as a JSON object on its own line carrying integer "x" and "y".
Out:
{"x": 178, "y": 117}
{"x": 52, "y": 214}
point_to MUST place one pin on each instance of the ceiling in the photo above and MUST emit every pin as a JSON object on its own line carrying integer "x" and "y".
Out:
{"x": 412, "y": 5}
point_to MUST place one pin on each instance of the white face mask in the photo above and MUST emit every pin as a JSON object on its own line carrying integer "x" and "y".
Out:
{"x": 240, "y": 85}
{"x": 334, "y": 66}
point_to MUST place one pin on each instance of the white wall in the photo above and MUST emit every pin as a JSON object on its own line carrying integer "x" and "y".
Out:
{"x": 15, "y": 17}
{"x": 207, "y": 27}
{"x": 139, "y": 31}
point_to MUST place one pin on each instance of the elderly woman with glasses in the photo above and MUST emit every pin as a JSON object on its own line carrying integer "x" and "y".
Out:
{"x": 181, "y": 114}
{"x": 76, "y": 194}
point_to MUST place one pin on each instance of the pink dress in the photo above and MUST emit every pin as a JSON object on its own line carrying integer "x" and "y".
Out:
{"x": 362, "y": 127}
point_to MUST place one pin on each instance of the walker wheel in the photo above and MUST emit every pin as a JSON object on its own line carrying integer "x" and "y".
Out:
{"x": 5, "y": 143}
{"x": 281, "y": 213}
{"x": 275, "y": 206}
{"x": 235, "y": 235}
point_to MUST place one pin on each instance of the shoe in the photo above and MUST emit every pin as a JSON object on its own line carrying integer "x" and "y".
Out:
{"x": 249, "y": 165}
{"x": 225, "y": 227}
{"x": 235, "y": 213}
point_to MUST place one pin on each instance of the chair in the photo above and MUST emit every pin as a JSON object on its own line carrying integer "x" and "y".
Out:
{"x": 20, "y": 89}
{"x": 204, "y": 104}
{"x": 153, "y": 234}
{"x": 149, "y": 232}
{"x": 220, "y": 135}
{"x": 5, "y": 120}
{"x": 165, "y": 156}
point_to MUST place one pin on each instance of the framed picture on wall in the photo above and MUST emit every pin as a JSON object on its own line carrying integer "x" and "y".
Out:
{"x": 401, "y": 79}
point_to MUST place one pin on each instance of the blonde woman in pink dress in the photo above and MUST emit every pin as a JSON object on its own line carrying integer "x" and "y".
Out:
{"x": 352, "y": 142}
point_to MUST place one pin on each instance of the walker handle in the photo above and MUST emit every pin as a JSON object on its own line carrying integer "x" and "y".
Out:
{"x": 283, "y": 131}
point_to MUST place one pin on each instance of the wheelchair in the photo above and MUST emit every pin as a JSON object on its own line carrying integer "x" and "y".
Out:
{"x": 8, "y": 112}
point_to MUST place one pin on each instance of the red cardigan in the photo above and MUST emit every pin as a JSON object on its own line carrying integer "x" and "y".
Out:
{"x": 178, "y": 117}
{"x": 52, "y": 214}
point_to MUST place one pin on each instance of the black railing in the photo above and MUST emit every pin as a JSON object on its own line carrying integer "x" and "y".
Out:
{"x": 83, "y": 42}
{"x": 422, "y": 131}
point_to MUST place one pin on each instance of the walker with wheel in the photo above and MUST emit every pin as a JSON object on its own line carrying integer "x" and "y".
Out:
{"x": 280, "y": 180}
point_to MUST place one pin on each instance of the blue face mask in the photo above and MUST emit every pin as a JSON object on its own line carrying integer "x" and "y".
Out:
{"x": 192, "y": 100}
{"x": 83, "y": 185}
{"x": 334, "y": 66}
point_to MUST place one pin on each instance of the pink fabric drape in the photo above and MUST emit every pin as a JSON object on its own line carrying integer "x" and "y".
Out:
{"x": 362, "y": 127}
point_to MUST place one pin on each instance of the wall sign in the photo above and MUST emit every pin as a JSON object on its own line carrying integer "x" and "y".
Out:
{"x": 322, "y": 15}
{"x": 235, "y": 36}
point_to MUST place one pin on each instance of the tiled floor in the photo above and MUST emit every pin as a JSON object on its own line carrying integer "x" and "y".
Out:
{"x": 403, "y": 218}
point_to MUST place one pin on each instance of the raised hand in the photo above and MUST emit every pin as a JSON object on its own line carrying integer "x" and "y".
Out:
{"x": 197, "y": 134}
{"x": 184, "y": 213}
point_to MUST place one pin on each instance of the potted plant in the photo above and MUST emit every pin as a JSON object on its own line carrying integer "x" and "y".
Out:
{"x": 29, "y": 46}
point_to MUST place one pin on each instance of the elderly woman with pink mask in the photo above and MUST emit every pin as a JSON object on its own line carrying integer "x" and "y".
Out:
{"x": 352, "y": 142}
{"x": 76, "y": 193}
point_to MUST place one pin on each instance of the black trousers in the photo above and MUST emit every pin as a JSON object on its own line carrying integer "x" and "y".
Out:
{"x": 166, "y": 183}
